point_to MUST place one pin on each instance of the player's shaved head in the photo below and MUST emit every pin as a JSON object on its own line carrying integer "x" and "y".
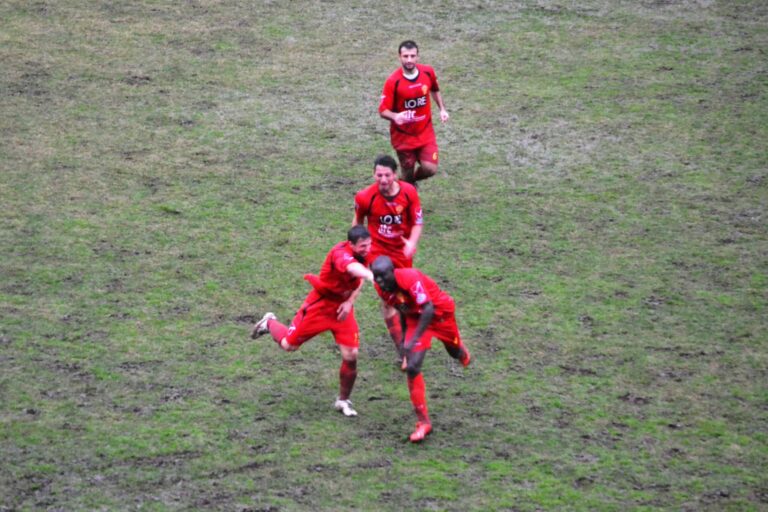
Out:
{"x": 381, "y": 264}
{"x": 384, "y": 273}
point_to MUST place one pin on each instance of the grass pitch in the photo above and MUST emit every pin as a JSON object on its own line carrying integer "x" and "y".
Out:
{"x": 168, "y": 171}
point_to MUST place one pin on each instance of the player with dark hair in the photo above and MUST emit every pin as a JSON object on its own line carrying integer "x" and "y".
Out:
{"x": 425, "y": 312}
{"x": 393, "y": 211}
{"x": 405, "y": 102}
{"x": 329, "y": 306}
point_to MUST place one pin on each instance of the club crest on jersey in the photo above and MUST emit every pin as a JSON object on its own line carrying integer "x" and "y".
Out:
{"x": 423, "y": 89}
{"x": 399, "y": 209}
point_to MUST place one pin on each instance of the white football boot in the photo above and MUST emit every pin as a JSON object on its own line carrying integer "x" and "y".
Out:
{"x": 260, "y": 327}
{"x": 345, "y": 407}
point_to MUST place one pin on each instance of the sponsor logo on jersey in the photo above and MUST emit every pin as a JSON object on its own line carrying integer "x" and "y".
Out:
{"x": 413, "y": 103}
{"x": 390, "y": 219}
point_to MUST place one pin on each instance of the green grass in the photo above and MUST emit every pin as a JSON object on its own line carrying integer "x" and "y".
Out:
{"x": 168, "y": 171}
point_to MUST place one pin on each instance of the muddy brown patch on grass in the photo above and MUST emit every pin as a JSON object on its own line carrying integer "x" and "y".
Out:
{"x": 634, "y": 399}
{"x": 572, "y": 370}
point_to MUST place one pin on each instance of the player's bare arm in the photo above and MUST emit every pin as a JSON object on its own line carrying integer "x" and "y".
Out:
{"x": 411, "y": 244}
{"x": 359, "y": 270}
{"x": 399, "y": 118}
{"x": 427, "y": 312}
{"x": 346, "y": 307}
{"x": 444, "y": 116}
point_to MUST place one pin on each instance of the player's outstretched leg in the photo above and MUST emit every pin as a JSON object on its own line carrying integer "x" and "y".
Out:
{"x": 460, "y": 352}
{"x": 270, "y": 324}
{"x": 262, "y": 326}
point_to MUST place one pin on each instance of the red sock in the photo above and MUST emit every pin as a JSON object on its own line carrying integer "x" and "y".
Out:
{"x": 395, "y": 330}
{"x": 277, "y": 330}
{"x": 418, "y": 397}
{"x": 347, "y": 376}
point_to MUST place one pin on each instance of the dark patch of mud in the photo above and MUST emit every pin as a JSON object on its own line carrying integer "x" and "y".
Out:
{"x": 634, "y": 399}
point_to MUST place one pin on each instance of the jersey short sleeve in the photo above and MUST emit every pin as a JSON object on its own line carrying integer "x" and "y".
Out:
{"x": 341, "y": 259}
{"x": 415, "y": 212}
{"x": 387, "y": 101}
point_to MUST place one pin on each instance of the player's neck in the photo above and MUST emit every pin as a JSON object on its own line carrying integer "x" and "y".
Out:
{"x": 412, "y": 75}
{"x": 393, "y": 190}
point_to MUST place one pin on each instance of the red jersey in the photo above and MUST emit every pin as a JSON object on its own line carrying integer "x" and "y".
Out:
{"x": 414, "y": 289}
{"x": 389, "y": 218}
{"x": 334, "y": 282}
{"x": 401, "y": 94}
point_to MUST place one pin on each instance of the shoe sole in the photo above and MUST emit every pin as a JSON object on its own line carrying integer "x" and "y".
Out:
{"x": 259, "y": 329}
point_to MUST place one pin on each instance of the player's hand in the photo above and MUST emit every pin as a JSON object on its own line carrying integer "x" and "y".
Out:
{"x": 409, "y": 249}
{"x": 343, "y": 310}
{"x": 444, "y": 116}
{"x": 406, "y": 116}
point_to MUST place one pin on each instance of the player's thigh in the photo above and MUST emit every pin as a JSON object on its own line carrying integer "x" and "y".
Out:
{"x": 408, "y": 158}
{"x": 346, "y": 333}
{"x": 309, "y": 321}
{"x": 447, "y": 330}
{"x": 428, "y": 155}
{"x": 425, "y": 340}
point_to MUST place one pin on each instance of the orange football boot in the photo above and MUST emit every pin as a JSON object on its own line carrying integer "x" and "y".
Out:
{"x": 422, "y": 431}
{"x": 466, "y": 358}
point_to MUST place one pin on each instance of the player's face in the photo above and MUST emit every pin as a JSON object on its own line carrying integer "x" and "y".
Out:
{"x": 385, "y": 179}
{"x": 362, "y": 247}
{"x": 385, "y": 278}
{"x": 409, "y": 58}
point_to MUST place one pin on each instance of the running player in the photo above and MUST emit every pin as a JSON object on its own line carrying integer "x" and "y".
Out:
{"x": 329, "y": 306}
{"x": 393, "y": 212}
{"x": 425, "y": 311}
{"x": 405, "y": 103}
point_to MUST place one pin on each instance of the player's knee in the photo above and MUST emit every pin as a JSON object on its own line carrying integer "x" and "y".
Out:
{"x": 413, "y": 369}
{"x": 349, "y": 354}
{"x": 287, "y": 346}
{"x": 428, "y": 169}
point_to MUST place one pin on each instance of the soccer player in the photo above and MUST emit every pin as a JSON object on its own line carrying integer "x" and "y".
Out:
{"x": 393, "y": 212}
{"x": 405, "y": 102}
{"x": 425, "y": 312}
{"x": 329, "y": 306}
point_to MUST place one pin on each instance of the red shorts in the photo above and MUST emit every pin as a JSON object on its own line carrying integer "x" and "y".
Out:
{"x": 443, "y": 328}
{"x": 425, "y": 153}
{"x": 317, "y": 315}
{"x": 398, "y": 259}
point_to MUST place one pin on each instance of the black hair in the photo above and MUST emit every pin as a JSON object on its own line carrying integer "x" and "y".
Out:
{"x": 408, "y": 45}
{"x": 386, "y": 161}
{"x": 357, "y": 233}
